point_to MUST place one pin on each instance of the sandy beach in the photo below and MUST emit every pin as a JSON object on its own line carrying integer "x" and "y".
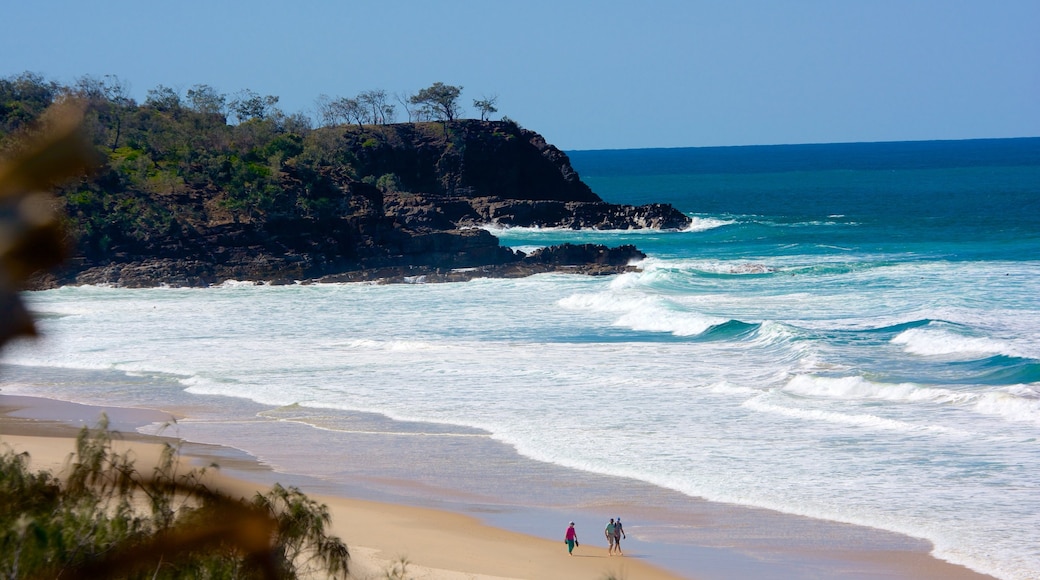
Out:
{"x": 438, "y": 545}
{"x": 446, "y": 545}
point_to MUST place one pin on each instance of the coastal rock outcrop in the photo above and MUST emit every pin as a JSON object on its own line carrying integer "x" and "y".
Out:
{"x": 383, "y": 202}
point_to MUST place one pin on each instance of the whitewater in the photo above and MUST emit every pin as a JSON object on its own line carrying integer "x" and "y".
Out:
{"x": 856, "y": 361}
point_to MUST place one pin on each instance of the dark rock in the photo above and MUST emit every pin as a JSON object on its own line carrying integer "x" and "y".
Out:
{"x": 467, "y": 158}
{"x": 578, "y": 254}
{"x": 575, "y": 215}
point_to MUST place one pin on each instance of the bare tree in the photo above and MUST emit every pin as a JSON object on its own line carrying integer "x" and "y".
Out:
{"x": 328, "y": 115}
{"x": 375, "y": 102}
{"x": 110, "y": 98}
{"x": 108, "y": 88}
{"x": 405, "y": 100}
{"x": 351, "y": 110}
{"x": 486, "y": 106}
{"x": 389, "y": 113}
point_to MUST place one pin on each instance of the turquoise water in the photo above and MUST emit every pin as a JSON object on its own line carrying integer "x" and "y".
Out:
{"x": 848, "y": 332}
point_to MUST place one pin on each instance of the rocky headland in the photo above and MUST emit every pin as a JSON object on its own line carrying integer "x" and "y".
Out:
{"x": 393, "y": 203}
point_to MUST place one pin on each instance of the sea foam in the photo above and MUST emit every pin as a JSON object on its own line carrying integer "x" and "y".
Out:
{"x": 928, "y": 341}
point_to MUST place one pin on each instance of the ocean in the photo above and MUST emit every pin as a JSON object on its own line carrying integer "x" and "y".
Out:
{"x": 848, "y": 332}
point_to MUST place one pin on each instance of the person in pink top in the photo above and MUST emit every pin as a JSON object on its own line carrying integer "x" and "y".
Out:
{"x": 571, "y": 539}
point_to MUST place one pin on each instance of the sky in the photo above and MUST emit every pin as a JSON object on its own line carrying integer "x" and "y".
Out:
{"x": 598, "y": 74}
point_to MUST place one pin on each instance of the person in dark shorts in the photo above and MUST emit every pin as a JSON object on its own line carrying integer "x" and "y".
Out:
{"x": 619, "y": 532}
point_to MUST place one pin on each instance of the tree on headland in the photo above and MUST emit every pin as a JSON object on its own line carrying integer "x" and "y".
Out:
{"x": 108, "y": 100}
{"x": 380, "y": 112}
{"x": 351, "y": 110}
{"x": 327, "y": 113}
{"x": 107, "y": 88}
{"x": 409, "y": 108}
{"x": 23, "y": 99}
{"x": 369, "y": 107}
{"x": 440, "y": 101}
{"x": 163, "y": 98}
{"x": 486, "y": 106}
{"x": 207, "y": 100}
{"x": 250, "y": 105}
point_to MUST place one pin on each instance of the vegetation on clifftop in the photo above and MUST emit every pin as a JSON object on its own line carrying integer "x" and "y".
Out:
{"x": 176, "y": 162}
{"x": 182, "y": 196}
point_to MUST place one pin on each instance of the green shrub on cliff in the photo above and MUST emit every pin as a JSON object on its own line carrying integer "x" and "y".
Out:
{"x": 168, "y": 148}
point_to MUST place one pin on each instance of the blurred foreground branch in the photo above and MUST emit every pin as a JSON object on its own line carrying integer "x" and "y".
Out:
{"x": 31, "y": 237}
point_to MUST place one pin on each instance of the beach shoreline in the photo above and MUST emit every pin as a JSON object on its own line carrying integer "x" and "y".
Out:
{"x": 438, "y": 545}
{"x": 461, "y": 537}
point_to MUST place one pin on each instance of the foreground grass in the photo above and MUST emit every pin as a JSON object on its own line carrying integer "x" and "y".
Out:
{"x": 105, "y": 519}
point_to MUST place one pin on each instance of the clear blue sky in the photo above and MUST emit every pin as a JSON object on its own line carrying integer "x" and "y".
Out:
{"x": 591, "y": 74}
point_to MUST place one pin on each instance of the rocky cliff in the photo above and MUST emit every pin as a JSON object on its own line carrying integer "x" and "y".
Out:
{"x": 389, "y": 202}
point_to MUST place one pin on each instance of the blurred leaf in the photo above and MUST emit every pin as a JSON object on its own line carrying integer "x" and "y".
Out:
{"x": 31, "y": 238}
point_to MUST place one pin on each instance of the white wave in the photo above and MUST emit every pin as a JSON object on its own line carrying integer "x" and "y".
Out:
{"x": 856, "y": 419}
{"x": 858, "y": 388}
{"x": 831, "y": 247}
{"x": 700, "y": 224}
{"x": 238, "y": 284}
{"x": 500, "y": 230}
{"x": 263, "y": 394}
{"x": 697, "y": 224}
{"x": 939, "y": 342}
{"x": 738, "y": 267}
{"x": 194, "y": 381}
{"x": 631, "y": 279}
{"x": 528, "y": 249}
{"x": 20, "y": 353}
{"x": 864, "y": 420}
{"x": 392, "y": 345}
{"x": 601, "y": 302}
{"x": 771, "y": 332}
{"x": 643, "y": 313}
{"x": 1024, "y": 391}
{"x": 653, "y": 319}
{"x": 1017, "y": 403}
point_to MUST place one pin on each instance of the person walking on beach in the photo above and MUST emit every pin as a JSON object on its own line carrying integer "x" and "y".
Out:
{"x": 609, "y": 533}
{"x": 571, "y": 538}
{"x": 619, "y": 532}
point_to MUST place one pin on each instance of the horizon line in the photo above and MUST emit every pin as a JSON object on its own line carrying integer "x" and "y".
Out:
{"x": 801, "y": 144}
